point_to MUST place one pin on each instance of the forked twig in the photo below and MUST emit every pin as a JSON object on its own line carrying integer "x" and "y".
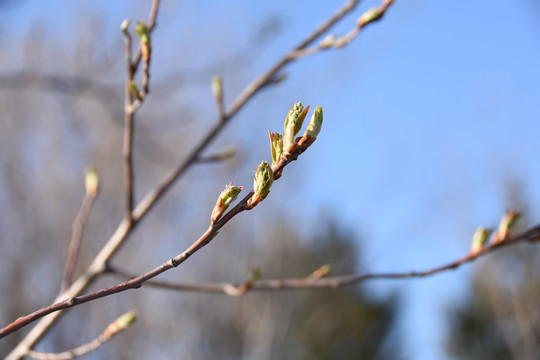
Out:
{"x": 98, "y": 265}
{"x": 137, "y": 282}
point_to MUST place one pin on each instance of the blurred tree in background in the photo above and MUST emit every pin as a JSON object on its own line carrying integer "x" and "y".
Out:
{"x": 501, "y": 318}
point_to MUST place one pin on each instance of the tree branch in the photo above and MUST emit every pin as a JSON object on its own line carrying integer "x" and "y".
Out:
{"x": 331, "y": 42}
{"x": 332, "y": 282}
{"x": 137, "y": 282}
{"x": 91, "y": 181}
{"x": 129, "y": 114}
{"x": 117, "y": 326}
{"x": 98, "y": 265}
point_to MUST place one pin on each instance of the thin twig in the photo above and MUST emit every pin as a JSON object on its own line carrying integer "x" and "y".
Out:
{"x": 137, "y": 282}
{"x": 372, "y": 15}
{"x": 332, "y": 282}
{"x": 117, "y": 326}
{"x": 123, "y": 230}
{"x": 76, "y": 233}
{"x": 152, "y": 18}
{"x": 109, "y": 249}
{"x": 129, "y": 114}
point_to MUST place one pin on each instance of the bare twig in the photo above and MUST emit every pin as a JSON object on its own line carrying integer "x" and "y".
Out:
{"x": 310, "y": 282}
{"x": 76, "y": 234}
{"x": 137, "y": 282}
{"x": 117, "y": 326}
{"x": 124, "y": 229}
{"x": 368, "y": 17}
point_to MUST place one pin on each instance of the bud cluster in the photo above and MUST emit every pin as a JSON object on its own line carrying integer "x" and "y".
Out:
{"x": 281, "y": 146}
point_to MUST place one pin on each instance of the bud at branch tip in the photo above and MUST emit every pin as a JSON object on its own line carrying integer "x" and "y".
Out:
{"x": 293, "y": 123}
{"x": 315, "y": 124}
{"x": 91, "y": 181}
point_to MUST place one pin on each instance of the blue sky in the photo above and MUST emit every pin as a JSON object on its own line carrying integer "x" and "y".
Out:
{"x": 428, "y": 115}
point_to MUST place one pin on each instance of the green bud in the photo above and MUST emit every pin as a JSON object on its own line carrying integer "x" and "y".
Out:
{"x": 120, "y": 324}
{"x": 505, "y": 226}
{"x": 91, "y": 181}
{"x": 480, "y": 238}
{"x": 144, "y": 36}
{"x": 254, "y": 276}
{"x": 264, "y": 177}
{"x": 142, "y": 30}
{"x": 315, "y": 124}
{"x": 293, "y": 123}
{"x": 276, "y": 145}
{"x": 328, "y": 41}
{"x": 127, "y": 319}
{"x": 134, "y": 90}
{"x": 217, "y": 88}
{"x": 321, "y": 272}
{"x": 372, "y": 14}
{"x": 226, "y": 197}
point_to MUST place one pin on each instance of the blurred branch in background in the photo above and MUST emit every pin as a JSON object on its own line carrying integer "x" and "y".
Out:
{"x": 91, "y": 184}
{"x": 114, "y": 328}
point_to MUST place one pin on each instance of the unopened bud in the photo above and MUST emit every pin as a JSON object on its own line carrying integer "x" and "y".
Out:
{"x": 480, "y": 238}
{"x": 124, "y": 25}
{"x": 328, "y": 41}
{"x": 293, "y": 123}
{"x": 226, "y": 197}
{"x": 372, "y": 14}
{"x": 321, "y": 272}
{"x": 264, "y": 177}
{"x": 505, "y": 226}
{"x": 254, "y": 276}
{"x": 91, "y": 181}
{"x": 144, "y": 36}
{"x": 134, "y": 90}
{"x": 121, "y": 324}
{"x": 217, "y": 88}
{"x": 315, "y": 124}
{"x": 276, "y": 145}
